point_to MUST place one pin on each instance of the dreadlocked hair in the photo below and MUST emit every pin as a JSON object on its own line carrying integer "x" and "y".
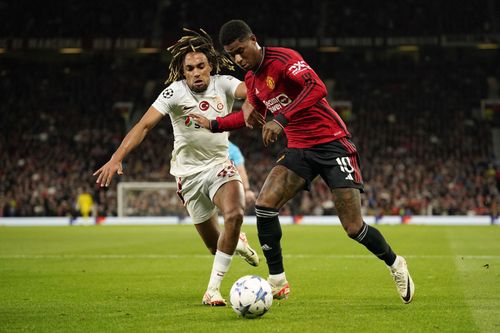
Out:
{"x": 195, "y": 42}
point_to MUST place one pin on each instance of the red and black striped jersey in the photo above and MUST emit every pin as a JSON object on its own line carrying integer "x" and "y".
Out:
{"x": 288, "y": 87}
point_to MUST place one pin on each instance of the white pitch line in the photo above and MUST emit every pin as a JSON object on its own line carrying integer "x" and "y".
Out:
{"x": 203, "y": 256}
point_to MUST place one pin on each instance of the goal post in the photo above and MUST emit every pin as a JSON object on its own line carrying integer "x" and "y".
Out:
{"x": 148, "y": 199}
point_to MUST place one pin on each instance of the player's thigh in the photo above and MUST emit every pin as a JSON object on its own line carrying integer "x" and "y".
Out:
{"x": 200, "y": 208}
{"x": 281, "y": 185}
{"x": 348, "y": 204}
{"x": 230, "y": 198}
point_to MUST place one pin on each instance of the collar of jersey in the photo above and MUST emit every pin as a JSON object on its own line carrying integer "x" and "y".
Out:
{"x": 261, "y": 60}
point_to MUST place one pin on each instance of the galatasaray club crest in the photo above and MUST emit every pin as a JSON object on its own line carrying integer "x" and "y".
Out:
{"x": 219, "y": 103}
{"x": 270, "y": 82}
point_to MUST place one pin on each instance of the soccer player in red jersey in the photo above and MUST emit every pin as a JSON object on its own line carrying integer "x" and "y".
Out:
{"x": 279, "y": 80}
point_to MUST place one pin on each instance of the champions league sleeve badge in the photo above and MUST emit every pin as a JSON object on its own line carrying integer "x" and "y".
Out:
{"x": 167, "y": 93}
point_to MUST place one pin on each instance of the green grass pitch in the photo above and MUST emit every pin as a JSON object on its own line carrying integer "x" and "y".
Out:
{"x": 152, "y": 279}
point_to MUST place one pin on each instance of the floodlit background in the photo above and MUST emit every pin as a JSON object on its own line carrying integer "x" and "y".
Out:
{"x": 417, "y": 83}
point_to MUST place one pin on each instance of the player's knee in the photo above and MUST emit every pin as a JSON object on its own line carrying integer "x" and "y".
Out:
{"x": 260, "y": 201}
{"x": 234, "y": 217}
{"x": 352, "y": 229}
{"x": 264, "y": 199}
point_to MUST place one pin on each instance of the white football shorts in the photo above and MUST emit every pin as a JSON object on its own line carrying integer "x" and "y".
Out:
{"x": 197, "y": 191}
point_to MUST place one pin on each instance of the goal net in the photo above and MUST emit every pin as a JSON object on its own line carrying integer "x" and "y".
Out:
{"x": 149, "y": 199}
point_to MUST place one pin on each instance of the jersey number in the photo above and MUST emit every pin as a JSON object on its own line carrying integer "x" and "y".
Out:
{"x": 345, "y": 166}
{"x": 228, "y": 171}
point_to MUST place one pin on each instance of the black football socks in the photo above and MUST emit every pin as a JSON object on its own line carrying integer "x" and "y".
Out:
{"x": 269, "y": 229}
{"x": 375, "y": 242}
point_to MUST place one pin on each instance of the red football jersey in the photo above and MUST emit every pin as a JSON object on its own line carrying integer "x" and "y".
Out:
{"x": 285, "y": 85}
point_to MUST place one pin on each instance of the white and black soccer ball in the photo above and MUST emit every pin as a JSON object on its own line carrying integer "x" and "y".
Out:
{"x": 251, "y": 296}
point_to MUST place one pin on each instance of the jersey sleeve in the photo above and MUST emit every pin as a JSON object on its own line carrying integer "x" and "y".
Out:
{"x": 313, "y": 89}
{"x": 229, "y": 84}
{"x": 168, "y": 99}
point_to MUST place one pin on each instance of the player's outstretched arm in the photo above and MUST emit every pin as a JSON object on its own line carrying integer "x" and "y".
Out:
{"x": 133, "y": 138}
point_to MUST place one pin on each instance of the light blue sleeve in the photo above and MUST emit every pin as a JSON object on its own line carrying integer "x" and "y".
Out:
{"x": 235, "y": 154}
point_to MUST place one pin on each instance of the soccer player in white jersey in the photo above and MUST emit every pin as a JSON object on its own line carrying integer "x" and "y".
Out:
{"x": 207, "y": 181}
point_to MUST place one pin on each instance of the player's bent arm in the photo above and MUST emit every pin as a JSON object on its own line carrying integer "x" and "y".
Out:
{"x": 241, "y": 91}
{"x": 133, "y": 138}
{"x": 313, "y": 90}
{"x": 232, "y": 121}
{"x": 251, "y": 115}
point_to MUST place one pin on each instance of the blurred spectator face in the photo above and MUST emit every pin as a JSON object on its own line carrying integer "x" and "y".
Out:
{"x": 245, "y": 53}
{"x": 196, "y": 70}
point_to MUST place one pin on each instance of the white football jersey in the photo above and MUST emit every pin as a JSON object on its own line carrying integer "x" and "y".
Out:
{"x": 197, "y": 148}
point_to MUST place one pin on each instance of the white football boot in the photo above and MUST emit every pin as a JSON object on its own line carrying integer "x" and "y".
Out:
{"x": 280, "y": 290}
{"x": 213, "y": 298}
{"x": 246, "y": 252}
{"x": 404, "y": 283}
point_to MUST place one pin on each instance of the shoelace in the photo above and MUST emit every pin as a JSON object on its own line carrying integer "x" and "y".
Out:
{"x": 399, "y": 277}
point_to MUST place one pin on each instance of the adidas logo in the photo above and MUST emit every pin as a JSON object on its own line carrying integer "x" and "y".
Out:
{"x": 349, "y": 176}
{"x": 266, "y": 247}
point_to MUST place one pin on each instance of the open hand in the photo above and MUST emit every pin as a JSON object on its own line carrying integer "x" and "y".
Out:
{"x": 270, "y": 132}
{"x": 107, "y": 171}
{"x": 200, "y": 120}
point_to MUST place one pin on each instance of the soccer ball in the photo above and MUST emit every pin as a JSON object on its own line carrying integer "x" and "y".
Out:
{"x": 251, "y": 296}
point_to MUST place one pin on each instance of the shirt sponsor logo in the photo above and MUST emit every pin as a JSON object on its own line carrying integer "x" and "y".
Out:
{"x": 299, "y": 67}
{"x": 277, "y": 103}
{"x": 187, "y": 121}
{"x": 270, "y": 82}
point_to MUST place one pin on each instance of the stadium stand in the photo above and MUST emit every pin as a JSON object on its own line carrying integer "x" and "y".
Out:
{"x": 425, "y": 146}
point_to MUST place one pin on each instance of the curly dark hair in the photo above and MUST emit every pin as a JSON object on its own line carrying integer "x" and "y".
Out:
{"x": 195, "y": 42}
{"x": 234, "y": 30}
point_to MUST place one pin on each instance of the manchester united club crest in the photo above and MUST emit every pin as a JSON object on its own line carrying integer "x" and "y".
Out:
{"x": 270, "y": 82}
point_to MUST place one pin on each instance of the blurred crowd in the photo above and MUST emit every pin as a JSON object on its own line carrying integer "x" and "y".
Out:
{"x": 425, "y": 146}
{"x": 291, "y": 18}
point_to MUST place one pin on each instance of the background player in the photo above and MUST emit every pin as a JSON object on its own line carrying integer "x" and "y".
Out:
{"x": 279, "y": 80}
{"x": 206, "y": 179}
{"x": 236, "y": 156}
